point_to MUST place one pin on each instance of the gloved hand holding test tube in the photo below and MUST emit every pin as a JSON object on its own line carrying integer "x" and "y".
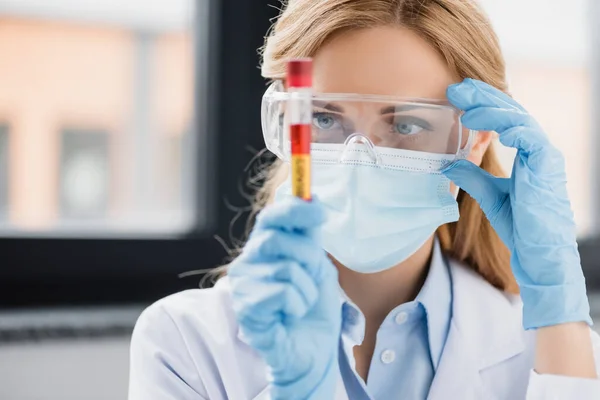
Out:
{"x": 285, "y": 288}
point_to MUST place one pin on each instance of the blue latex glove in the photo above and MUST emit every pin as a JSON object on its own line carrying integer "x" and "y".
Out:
{"x": 530, "y": 211}
{"x": 287, "y": 301}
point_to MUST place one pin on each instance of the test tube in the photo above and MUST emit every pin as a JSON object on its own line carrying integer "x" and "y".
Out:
{"x": 299, "y": 84}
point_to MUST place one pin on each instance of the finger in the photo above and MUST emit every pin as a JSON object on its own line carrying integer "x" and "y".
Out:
{"x": 284, "y": 272}
{"x": 260, "y": 303}
{"x": 329, "y": 296}
{"x": 273, "y": 245}
{"x": 293, "y": 214}
{"x": 295, "y": 275}
{"x": 495, "y": 119}
{"x": 525, "y": 139}
{"x": 490, "y": 192}
{"x": 327, "y": 272}
{"x": 263, "y": 337}
{"x": 471, "y": 93}
{"x": 483, "y": 187}
{"x": 502, "y": 96}
{"x": 279, "y": 352}
{"x": 277, "y": 338}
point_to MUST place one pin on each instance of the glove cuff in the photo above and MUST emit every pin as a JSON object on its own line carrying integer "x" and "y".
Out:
{"x": 553, "y": 305}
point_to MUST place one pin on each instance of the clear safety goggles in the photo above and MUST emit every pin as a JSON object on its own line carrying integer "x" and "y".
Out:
{"x": 428, "y": 132}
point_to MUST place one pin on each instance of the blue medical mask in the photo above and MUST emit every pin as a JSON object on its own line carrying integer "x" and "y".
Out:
{"x": 381, "y": 206}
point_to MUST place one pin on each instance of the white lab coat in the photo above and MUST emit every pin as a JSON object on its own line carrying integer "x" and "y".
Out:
{"x": 188, "y": 346}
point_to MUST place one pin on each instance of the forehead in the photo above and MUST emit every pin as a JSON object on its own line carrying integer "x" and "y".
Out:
{"x": 388, "y": 61}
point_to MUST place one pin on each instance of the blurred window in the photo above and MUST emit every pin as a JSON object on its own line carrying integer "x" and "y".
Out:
{"x": 3, "y": 170}
{"x": 175, "y": 170}
{"x": 84, "y": 174}
{"x": 547, "y": 47}
{"x": 122, "y": 73}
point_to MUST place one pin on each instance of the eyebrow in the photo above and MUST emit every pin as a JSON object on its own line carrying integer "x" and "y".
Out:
{"x": 399, "y": 108}
{"x": 329, "y": 106}
{"x": 386, "y": 110}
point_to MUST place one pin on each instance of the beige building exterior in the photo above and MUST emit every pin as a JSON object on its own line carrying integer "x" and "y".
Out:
{"x": 58, "y": 76}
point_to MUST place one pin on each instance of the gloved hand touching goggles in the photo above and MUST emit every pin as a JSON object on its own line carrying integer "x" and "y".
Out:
{"x": 423, "y": 130}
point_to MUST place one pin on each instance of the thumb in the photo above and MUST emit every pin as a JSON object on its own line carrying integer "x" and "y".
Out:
{"x": 485, "y": 188}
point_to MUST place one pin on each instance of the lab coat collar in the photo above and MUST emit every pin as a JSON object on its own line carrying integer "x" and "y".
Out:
{"x": 485, "y": 330}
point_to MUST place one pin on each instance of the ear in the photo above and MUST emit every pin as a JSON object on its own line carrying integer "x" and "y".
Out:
{"x": 481, "y": 142}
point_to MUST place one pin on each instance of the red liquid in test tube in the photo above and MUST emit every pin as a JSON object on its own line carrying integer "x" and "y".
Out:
{"x": 299, "y": 83}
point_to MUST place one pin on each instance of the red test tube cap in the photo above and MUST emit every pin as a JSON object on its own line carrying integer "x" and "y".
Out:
{"x": 299, "y": 73}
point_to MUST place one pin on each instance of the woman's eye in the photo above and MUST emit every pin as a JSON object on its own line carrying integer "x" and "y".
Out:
{"x": 408, "y": 125}
{"x": 324, "y": 121}
{"x": 407, "y": 129}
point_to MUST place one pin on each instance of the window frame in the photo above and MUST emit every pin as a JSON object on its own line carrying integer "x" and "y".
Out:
{"x": 53, "y": 271}
{"x": 66, "y": 136}
{"x": 589, "y": 247}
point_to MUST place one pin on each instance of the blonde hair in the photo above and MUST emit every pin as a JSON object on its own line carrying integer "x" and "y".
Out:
{"x": 462, "y": 34}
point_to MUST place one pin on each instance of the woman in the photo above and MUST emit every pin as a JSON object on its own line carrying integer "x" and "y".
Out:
{"x": 376, "y": 289}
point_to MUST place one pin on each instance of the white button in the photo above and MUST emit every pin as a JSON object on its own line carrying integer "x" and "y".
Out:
{"x": 388, "y": 356}
{"x": 401, "y": 318}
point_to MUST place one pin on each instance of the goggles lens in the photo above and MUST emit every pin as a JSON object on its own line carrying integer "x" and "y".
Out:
{"x": 421, "y": 126}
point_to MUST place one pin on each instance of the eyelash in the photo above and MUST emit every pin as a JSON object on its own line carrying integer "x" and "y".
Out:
{"x": 410, "y": 120}
{"x": 390, "y": 120}
{"x": 334, "y": 116}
